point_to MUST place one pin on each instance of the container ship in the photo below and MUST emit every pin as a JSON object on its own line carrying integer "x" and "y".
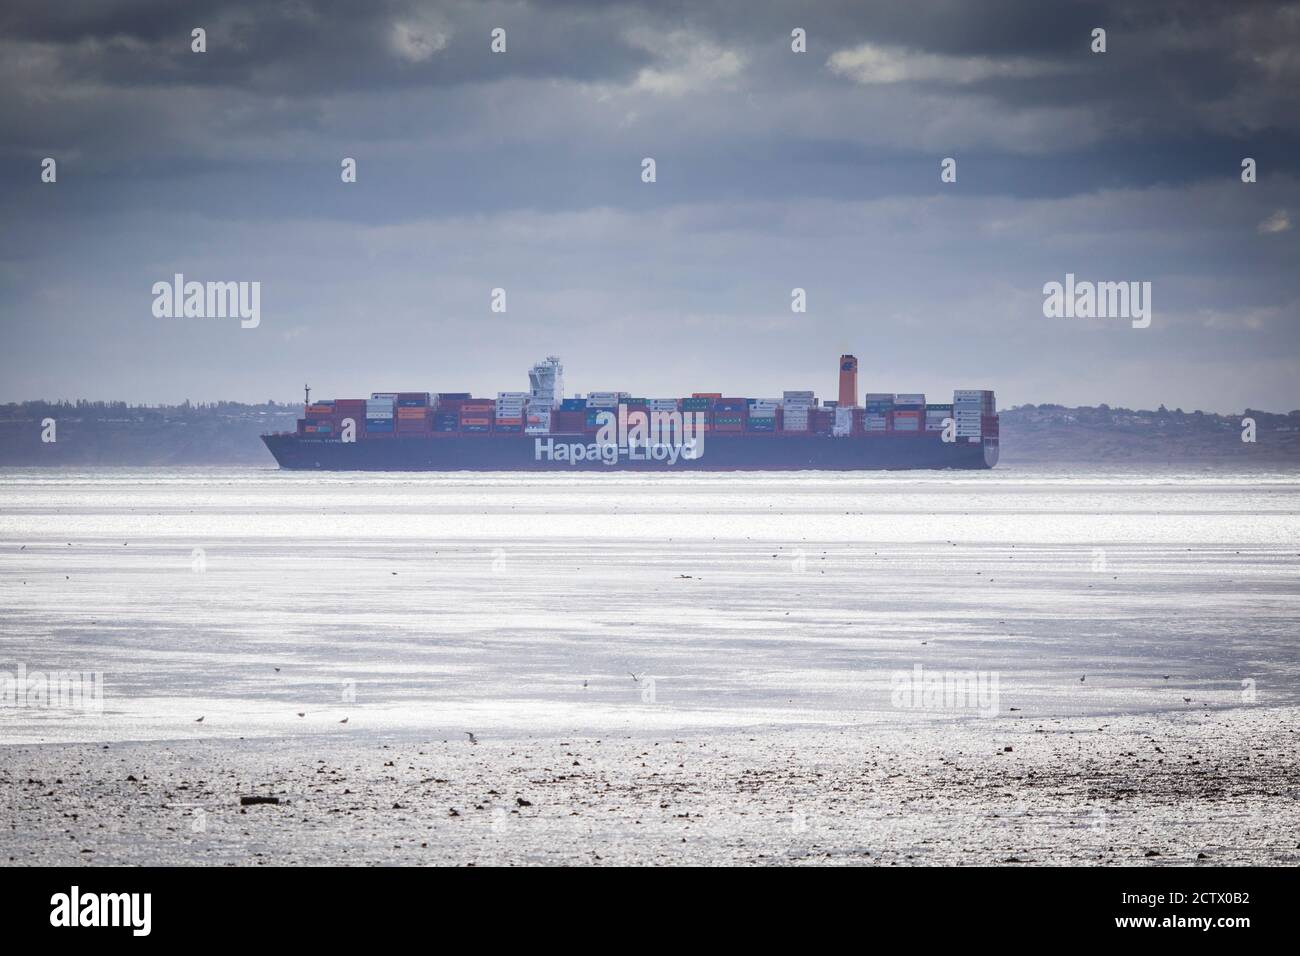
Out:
{"x": 542, "y": 430}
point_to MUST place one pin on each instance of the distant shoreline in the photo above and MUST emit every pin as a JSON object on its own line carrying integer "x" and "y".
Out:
{"x": 228, "y": 433}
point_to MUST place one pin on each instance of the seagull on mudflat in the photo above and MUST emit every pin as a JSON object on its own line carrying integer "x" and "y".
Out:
{"x": 472, "y": 738}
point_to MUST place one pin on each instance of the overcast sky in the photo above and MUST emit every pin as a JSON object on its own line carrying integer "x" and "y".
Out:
{"x": 775, "y": 170}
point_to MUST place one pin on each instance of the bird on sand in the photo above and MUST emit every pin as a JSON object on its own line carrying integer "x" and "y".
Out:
{"x": 302, "y": 713}
{"x": 343, "y": 721}
{"x": 200, "y": 720}
{"x": 635, "y": 679}
{"x": 472, "y": 738}
{"x": 1083, "y": 678}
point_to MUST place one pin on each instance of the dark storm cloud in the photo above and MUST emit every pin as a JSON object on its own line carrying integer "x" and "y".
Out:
{"x": 775, "y": 170}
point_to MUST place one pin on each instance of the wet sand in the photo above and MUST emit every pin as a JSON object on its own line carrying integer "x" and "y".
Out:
{"x": 1197, "y": 788}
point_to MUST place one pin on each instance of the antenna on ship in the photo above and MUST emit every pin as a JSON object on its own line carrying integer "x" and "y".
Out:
{"x": 306, "y": 394}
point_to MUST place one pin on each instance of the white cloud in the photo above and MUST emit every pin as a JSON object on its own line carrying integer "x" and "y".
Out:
{"x": 1278, "y": 222}
{"x": 688, "y": 62}
{"x": 872, "y": 64}
{"x": 416, "y": 42}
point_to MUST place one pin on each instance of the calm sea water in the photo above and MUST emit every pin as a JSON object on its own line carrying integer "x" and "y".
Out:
{"x": 623, "y": 603}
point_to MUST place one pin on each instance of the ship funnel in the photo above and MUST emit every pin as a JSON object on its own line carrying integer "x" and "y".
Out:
{"x": 848, "y": 381}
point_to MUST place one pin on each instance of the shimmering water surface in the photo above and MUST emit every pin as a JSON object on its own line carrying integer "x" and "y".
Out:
{"x": 435, "y": 603}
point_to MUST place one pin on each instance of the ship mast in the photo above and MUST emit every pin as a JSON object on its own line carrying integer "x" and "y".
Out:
{"x": 306, "y": 394}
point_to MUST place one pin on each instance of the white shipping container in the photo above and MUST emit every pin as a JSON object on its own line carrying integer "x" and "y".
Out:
{"x": 390, "y": 396}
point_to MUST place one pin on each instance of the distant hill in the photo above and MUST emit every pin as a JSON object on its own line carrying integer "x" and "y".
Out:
{"x": 114, "y": 433}
{"x": 227, "y": 433}
{"x": 1045, "y": 434}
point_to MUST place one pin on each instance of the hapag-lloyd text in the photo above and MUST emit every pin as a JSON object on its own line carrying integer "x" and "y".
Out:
{"x": 634, "y": 436}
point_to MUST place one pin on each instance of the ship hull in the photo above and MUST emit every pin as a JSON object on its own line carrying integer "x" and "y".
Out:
{"x": 721, "y": 453}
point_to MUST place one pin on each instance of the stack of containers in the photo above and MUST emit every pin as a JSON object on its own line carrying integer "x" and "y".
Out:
{"x": 729, "y": 414}
{"x": 935, "y": 415}
{"x": 664, "y": 407}
{"x": 412, "y": 413}
{"x": 879, "y": 407}
{"x": 909, "y": 413}
{"x": 318, "y": 418}
{"x": 970, "y": 407}
{"x": 537, "y": 419}
{"x": 412, "y": 420}
{"x": 353, "y": 408}
{"x": 762, "y": 414}
{"x": 821, "y": 420}
{"x": 446, "y": 417}
{"x": 605, "y": 399}
{"x": 598, "y": 402}
{"x": 379, "y": 413}
{"x": 476, "y": 415}
{"x": 795, "y": 410}
{"x": 510, "y": 411}
{"x": 571, "y": 417}
{"x": 568, "y": 421}
{"x": 695, "y": 412}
